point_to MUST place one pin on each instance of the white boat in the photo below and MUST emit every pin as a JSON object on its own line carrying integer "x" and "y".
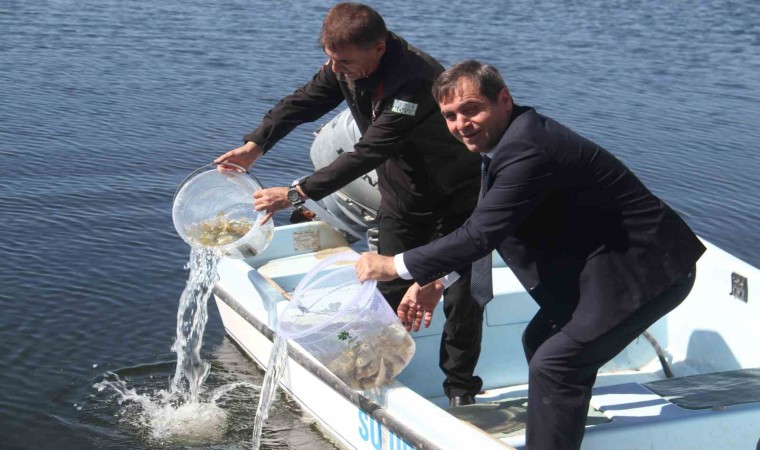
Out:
{"x": 691, "y": 382}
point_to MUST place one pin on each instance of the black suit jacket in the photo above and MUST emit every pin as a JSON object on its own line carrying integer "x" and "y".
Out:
{"x": 582, "y": 234}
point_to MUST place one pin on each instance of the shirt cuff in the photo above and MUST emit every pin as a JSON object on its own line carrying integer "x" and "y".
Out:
{"x": 449, "y": 279}
{"x": 398, "y": 262}
{"x": 401, "y": 270}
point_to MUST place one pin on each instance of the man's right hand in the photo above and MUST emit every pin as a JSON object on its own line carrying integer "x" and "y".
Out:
{"x": 372, "y": 266}
{"x": 244, "y": 155}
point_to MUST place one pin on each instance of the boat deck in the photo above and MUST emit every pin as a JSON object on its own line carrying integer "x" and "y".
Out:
{"x": 710, "y": 390}
{"x": 506, "y": 418}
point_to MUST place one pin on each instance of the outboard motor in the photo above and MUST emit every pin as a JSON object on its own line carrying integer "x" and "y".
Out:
{"x": 353, "y": 208}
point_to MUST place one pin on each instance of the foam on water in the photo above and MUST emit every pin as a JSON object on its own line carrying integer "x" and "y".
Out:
{"x": 163, "y": 417}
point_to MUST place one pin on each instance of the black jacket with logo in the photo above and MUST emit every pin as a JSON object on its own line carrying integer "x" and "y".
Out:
{"x": 421, "y": 167}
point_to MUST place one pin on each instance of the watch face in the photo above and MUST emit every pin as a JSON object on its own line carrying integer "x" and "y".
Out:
{"x": 293, "y": 196}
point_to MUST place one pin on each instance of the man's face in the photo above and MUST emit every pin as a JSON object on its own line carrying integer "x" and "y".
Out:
{"x": 475, "y": 120}
{"x": 355, "y": 62}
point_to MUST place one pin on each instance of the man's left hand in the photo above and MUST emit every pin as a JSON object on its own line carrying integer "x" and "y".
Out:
{"x": 372, "y": 266}
{"x": 271, "y": 200}
{"x": 417, "y": 306}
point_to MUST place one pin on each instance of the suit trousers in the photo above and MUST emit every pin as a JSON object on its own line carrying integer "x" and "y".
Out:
{"x": 562, "y": 371}
{"x": 463, "y": 329}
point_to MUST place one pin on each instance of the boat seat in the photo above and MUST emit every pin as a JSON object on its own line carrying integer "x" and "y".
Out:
{"x": 286, "y": 273}
{"x": 295, "y": 249}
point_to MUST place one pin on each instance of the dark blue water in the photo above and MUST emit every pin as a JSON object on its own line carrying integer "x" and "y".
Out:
{"x": 106, "y": 105}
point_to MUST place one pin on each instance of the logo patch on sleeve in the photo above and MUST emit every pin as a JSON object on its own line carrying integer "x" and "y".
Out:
{"x": 402, "y": 107}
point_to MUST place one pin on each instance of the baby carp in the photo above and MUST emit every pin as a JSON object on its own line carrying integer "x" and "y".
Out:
{"x": 220, "y": 230}
{"x": 374, "y": 360}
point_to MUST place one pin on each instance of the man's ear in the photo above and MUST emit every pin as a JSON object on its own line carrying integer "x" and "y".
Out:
{"x": 505, "y": 97}
{"x": 380, "y": 48}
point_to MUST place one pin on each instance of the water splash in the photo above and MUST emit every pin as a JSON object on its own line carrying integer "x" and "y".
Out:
{"x": 186, "y": 413}
{"x": 165, "y": 418}
{"x": 277, "y": 359}
{"x": 183, "y": 412}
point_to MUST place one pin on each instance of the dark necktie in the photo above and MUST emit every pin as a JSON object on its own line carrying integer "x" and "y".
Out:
{"x": 481, "y": 283}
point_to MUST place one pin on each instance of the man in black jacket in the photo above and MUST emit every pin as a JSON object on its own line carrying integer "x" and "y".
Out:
{"x": 602, "y": 256}
{"x": 428, "y": 182}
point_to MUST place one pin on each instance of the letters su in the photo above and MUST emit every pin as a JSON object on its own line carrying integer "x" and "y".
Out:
{"x": 370, "y": 430}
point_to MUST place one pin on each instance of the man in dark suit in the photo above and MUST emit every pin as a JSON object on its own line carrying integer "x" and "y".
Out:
{"x": 602, "y": 256}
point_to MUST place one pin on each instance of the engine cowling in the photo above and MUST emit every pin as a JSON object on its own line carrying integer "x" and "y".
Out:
{"x": 353, "y": 208}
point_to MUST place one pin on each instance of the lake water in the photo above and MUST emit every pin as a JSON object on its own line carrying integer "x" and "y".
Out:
{"x": 105, "y": 106}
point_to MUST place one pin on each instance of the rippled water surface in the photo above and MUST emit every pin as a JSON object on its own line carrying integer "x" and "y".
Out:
{"x": 106, "y": 105}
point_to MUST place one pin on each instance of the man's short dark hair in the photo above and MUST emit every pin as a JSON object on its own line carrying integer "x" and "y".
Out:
{"x": 484, "y": 75}
{"x": 352, "y": 24}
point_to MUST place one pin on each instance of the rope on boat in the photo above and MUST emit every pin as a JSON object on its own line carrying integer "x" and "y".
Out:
{"x": 660, "y": 354}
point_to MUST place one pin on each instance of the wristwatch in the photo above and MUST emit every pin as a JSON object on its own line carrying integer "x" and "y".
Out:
{"x": 293, "y": 195}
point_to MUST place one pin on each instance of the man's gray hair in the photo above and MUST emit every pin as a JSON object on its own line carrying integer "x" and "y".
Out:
{"x": 484, "y": 75}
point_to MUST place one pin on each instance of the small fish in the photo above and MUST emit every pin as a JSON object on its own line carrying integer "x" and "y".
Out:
{"x": 219, "y": 231}
{"x": 376, "y": 361}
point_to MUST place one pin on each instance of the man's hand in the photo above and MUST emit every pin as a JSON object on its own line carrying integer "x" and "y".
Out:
{"x": 244, "y": 156}
{"x": 417, "y": 306}
{"x": 270, "y": 200}
{"x": 372, "y": 266}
